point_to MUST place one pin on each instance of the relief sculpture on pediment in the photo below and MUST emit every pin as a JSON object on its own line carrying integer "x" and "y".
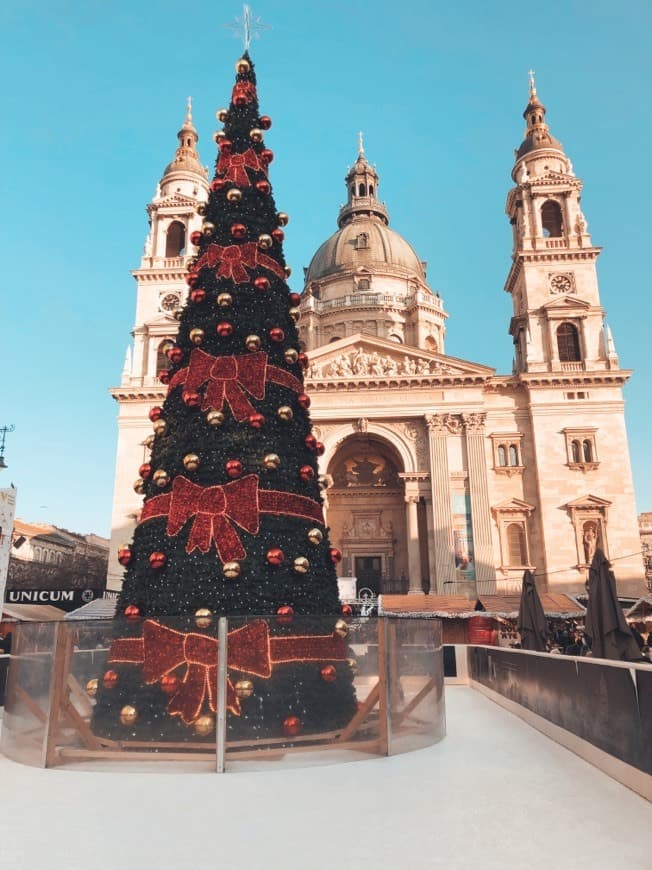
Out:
{"x": 358, "y": 363}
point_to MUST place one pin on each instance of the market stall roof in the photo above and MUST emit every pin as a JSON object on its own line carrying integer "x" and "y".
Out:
{"x": 641, "y": 610}
{"x": 555, "y": 605}
{"x": 446, "y": 606}
{"x": 32, "y": 612}
{"x": 99, "y": 608}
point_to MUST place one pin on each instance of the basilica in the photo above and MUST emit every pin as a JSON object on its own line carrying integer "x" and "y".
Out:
{"x": 439, "y": 474}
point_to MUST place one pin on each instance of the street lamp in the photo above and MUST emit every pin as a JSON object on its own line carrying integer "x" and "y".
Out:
{"x": 3, "y": 434}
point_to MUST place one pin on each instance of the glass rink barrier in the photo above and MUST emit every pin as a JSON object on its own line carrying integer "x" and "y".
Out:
{"x": 221, "y": 694}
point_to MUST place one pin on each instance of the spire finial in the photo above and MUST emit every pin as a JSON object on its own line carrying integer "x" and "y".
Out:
{"x": 533, "y": 89}
{"x": 360, "y": 144}
{"x": 248, "y": 26}
{"x": 189, "y": 110}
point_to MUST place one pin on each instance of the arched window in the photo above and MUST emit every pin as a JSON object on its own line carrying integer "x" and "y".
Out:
{"x": 516, "y": 552}
{"x": 587, "y": 450}
{"x": 163, "y": 362}
{"x": 394, "y": 337}
{"x": 502, "y": 456}
{"x": 362, "y": 191}
{"x": 175, "y": 242}
{"x": 551, "y": 219}
{"x": 432, "y": 344}
{"x": 334, "y": 338}
{"x": 513, "y": 455}
{"x": 371, "y": 190}
{"x": 576, "y": 453}
{"x": 568, "y": 343}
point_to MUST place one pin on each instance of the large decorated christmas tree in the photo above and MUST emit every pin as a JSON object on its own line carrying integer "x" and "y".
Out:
{"x": 232, "y": 521}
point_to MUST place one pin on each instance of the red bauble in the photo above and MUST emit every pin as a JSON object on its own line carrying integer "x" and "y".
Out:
{"x": 310, "y": 441}
{"x": 175, "y": 354}
{"x": 275, "y": 557}
{"x": 132, "y": 611}
{"x": 295, "y": 298}
{"x": 124, "y": 555}
{"x": 224, "y": 329}
{"x": 328, "y": 673}
{"x": 320, "y": 449}
{"x": 276, "y": 333}
{"x": 256, "y": 421}
{"x": 335, "y": 554}
{"x": 278, "y": 234}
{"x": 262, "y": 284}
{"x": 170, "y": 684}
{"x": 266, "y": 155}
{"x": 198, "y": 295}
{"x": 303, "y": 360}
{"x": 291, "y": 726}
{"x": 157, "y": 560}
{"x": 163, "y": 376}
{"x": 240, "y": 100}
{"x": 306, "y": 472}
{"x": 195, "y": 237}
{"x": 192, "y": 279}
{"x": 109, "y": 679}
{"x": 238, "y": 231}
{"x": 218, "y": 184}
{"x": 155, "y": 413}
{"x": 191, "y": 398}
{"x": 145, "y": 470}
{"x": 233, "y": 468}
{"x": 303, "y": 401}
{"x": 264, "y": 122}
{"x": 347, "y": 610}
{"x": 284, "y": 614}
{"x": 263, "y": 186}
{"x": 225, "y": 146}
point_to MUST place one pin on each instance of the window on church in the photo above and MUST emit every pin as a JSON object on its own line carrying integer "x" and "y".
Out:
{"x": 516, "y": 549}
{"x": 576, "y": 453}
{"x": 362, "y": 191}
{"x": 507, "y": 452}
{"x": 513, "y": 455}
{"x": 551, "y": 219}
{"x": 371, "y": 190}
{"x": 175, "y": 242}
{"x": 581, "y": 451}
{"x": 502, "y": 456}
{"x": 163, "y": 362}
{"x": 587, "y": 450}
{"x": 568, "y": 343}
{"x": 362, "y": 241}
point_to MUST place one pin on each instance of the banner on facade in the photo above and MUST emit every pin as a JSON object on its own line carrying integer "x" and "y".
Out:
{"x": 7, "y": 513}
{"x": 64, "y": 599}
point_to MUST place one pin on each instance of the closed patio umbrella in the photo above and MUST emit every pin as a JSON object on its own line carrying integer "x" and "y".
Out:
{"x": 532, "y": 623}
{"x": 605, "y": 621}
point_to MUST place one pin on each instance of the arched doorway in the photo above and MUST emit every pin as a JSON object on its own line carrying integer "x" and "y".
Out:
{"x": 366, "y": 513}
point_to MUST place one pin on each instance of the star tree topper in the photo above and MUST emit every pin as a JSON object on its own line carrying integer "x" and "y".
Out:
{"x": 248, "y": 26}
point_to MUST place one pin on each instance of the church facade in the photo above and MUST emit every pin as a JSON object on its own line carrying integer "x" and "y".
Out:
{"x": 438, "y": 472}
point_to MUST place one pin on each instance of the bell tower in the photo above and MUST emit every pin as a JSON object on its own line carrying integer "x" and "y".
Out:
{"x": 558, "y": 323}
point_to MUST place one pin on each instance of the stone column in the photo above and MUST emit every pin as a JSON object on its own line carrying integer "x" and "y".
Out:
{"x": 442, "y": 527}
{"x": 414, "y": 553}
{"x": 432, "y": 556}
{"x": 485, "y": 570}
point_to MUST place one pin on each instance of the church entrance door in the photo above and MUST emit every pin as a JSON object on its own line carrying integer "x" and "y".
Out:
{"x": 368, "y": 573}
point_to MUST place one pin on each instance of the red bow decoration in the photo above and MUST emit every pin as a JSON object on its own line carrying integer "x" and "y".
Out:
{"x": 229, "y": 377}
{"x": 244, "y": 89}
{"x": 214, "y": 509}
{"x": 232, "y": 259}
{"x": 232, "y": 166}
{"x": 250, "y": 650}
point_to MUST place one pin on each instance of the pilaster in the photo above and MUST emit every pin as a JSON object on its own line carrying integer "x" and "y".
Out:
{"x": 479, "y": 493}
{"x": 442, "y": 527}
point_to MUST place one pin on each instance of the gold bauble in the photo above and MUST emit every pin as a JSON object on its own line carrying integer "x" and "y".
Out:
{"x": 291, "y": 355}
{"x": 149, "y": 442}
{"x": 203, "y": 617}
{"x": 231, "y": 570}
{"x": 301, "y": 565}
{"x": 244, "y": 689}
{"x": 161, "y": 478}
{"x": 265, "y": 241}
{"x": 256, "y": 135}
{"x": 288, "y": 271}
{"x": 224, "y": 300}
{"x": 353, "y": 664}
{"x": 128, "y": 715}
{"x": 197, "y": 335}
{"x": 295, "y": 313}
{"x": 252, "y": 342}
{"x": 285, "y": 412}
{"x": 271, "y": 461}
{"x": 208, "y": 228}
{"x": 200, "y": 208}
{"x": 218, "y": 135}
{"x": 91, "y": 687}
{"x": 204, "y": 725}
{"x": 283, "y": 219}
{"x": 222, "y": 115}
{"x": 341, "y": 628}
{"x": 191, "y": 461}
{"x": 315, "y": 536}
{"x": 214, "y": 418}
{"x": 139, "y": 486}
{"x": 160, "y": 427}
{"x": 233, "y": 194}
{"x": 242, "y": 66}
{"x": 166, "y": 345}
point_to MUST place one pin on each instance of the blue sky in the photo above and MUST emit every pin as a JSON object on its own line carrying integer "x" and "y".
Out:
{"x": 93, "y": 94}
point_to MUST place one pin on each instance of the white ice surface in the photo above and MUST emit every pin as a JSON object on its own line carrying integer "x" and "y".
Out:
{"x": 494, "y": 794}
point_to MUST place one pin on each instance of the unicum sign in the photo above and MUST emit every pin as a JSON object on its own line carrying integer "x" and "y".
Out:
{"x": 39, "y": 596}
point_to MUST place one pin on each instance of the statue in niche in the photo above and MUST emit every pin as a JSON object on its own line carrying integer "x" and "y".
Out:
{"x": 590, "y": 541}
{"x": 364, "y": 471}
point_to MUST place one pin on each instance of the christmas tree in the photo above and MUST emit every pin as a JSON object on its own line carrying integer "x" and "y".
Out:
{"x": 232, "y": 522}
